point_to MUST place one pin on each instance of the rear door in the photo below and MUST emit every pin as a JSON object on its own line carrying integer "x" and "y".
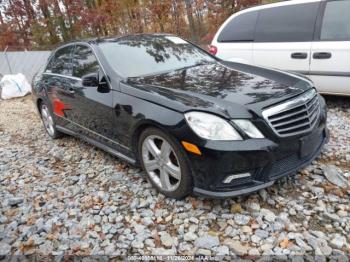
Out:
{"x": 59, "y": 84}
{"x": 283, "y": 36}
{"x": 330, "y": 62}
{"x": 93, "y": 106}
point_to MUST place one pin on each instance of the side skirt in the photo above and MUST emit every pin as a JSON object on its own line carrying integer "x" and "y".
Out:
{"x": 98, "y": 144}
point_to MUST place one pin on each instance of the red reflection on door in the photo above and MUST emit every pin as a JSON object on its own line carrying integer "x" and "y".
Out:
{"x": 59, "y": 107}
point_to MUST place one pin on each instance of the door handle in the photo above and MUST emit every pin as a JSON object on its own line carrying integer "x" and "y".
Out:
{"x": 71, "y": 90}
{"x": 299, "y": 55}
{"x": 322, "y": 55}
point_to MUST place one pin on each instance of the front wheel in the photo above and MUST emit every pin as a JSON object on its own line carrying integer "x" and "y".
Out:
{"x": 165, "y": 164}
{"x": 48, "y": 122}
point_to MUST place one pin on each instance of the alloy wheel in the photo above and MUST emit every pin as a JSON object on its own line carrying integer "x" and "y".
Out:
{"x": 47, "y": 120}
{"x": 161, "y": 163}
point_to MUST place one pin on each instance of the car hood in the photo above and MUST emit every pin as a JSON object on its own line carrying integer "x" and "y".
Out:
{"x": 224, "y": 87}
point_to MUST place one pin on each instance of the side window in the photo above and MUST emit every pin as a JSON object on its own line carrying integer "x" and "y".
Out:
{"x": 61, "y": 63}
{"x": 84, "y": 61}
{"x": 336, "y": 21}
{"x": 291, "y": 23}
{"x": 240, "y": 28}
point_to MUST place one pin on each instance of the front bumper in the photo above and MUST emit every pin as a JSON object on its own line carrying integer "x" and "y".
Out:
{"x": 257, "y": 185}
{"x": 265, "y": 160}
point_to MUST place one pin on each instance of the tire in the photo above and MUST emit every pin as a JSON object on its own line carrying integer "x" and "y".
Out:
{"x": 166, "y": 162}
{"x": 48, "y": 121}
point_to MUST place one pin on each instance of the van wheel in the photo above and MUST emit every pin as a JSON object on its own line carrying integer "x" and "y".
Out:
{"x": 165, "y": 164}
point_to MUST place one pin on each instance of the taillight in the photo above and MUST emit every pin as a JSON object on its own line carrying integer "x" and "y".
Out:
{"x": 213, "y": 49}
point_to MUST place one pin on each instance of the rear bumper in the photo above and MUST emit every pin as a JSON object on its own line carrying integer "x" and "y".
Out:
{"x": 256, "y": 185}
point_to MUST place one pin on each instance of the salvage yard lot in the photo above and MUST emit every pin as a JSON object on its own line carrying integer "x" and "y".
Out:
{"x": 65, "y": 196}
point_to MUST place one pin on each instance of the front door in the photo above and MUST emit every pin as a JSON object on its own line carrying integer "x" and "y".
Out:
{"x": 93, "y": 106}
{"x": 330, "y": 60}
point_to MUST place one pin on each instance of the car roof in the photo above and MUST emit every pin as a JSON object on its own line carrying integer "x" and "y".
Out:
{"x": 95, "y": 40}
{"x": 282, "y": 3}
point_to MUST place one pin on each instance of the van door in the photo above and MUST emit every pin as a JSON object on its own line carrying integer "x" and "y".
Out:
{"x": 283, "y": 36}
{"x": 330, "y": 61}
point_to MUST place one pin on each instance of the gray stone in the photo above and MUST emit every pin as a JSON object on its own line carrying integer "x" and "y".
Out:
{"x": 203, "y": 252}
{"x": 222, "y": 251}
{"x": 252, "y": 206}
{"x": 167, "y": 239}
{"x": 255, "y": 239}
{"x": 139, "y": 228}
{"x": 253, "y": 252}
{"x": 163, "y": 252}
{"x": 97, "y": 219}
{"x": 207, "y": 241}
{"x": 261, "y": 233}
{"x": 333, "y": 176}
{"x": 5, "y": 249}
{"x": 338, "y": 241}
{"x": 331, "y": 216}
{"x": 194, "y": 220}
{"x": 320, "y": 246}
{"x": 268, "y": 215}
{"x": 13, "y": 201}
{"x": 241, "y": 219}
{"x": 137, "y": 244}
{"x": 190, "y": 236}
{"x": 301, "y": 243}
{"x": 263, "y": 194}
{"x": 236, "y": 247}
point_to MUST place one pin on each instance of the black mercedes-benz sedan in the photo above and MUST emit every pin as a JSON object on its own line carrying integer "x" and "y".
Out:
{"x": 195, "y": 123}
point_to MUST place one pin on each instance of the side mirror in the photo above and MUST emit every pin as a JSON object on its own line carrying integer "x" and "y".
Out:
{"x": 90, "y": 80}
{"x": 103, "y": 86}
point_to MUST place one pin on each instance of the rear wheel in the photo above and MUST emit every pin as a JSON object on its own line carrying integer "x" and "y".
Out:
{"x": 165, "y": 164}
{"x": 48, "y": 121}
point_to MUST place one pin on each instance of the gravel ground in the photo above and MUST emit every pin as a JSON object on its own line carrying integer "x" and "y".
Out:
{"x": 67, "y": 197}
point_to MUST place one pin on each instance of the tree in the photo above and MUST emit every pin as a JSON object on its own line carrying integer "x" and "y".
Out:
{"x": 192, "y": 27}
{"x": 42, "y": 24}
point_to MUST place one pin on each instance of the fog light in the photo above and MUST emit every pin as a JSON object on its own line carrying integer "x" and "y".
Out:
{"x": 229, "y": 178}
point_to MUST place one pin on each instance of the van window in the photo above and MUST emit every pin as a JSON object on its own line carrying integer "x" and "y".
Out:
{"x": 240, "y": 28}
{"x": 336, "y": 21}
{"x": 291, "y": 23}
{"x": 60, "y": 63}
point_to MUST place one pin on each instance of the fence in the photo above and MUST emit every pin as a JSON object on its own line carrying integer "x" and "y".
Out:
{"x": 25, "y": 62}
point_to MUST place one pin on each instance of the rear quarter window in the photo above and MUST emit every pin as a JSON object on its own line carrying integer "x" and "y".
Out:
{"x": 240, "y": 28}
{"x": 60, "y": 62}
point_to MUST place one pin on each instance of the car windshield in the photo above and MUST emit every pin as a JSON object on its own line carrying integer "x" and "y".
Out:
{"x": 141, "y": 55}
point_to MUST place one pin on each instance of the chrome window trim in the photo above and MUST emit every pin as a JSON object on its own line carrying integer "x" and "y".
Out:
{"x": 65, "y": 76}
{"x": 74, "y": 44}
{"x": 293, "y": 103}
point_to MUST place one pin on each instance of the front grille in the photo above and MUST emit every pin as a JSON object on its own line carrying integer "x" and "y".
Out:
{"x": 294, "y": 117}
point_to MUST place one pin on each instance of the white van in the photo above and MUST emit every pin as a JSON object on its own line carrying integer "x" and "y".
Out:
{"x": 311, "y": 37}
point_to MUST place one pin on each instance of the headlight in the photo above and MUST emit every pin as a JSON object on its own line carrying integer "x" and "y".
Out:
{"x": 249, "y": 128}
{"x": 211, "y": 127}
